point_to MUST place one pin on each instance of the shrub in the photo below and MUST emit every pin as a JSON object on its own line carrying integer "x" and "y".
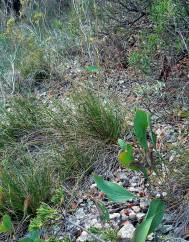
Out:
{"x": 162, "y": 31}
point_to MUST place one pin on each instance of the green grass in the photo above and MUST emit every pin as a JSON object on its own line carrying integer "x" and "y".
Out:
{"x": 74, "y": 161}
{"x": 97, "y": 118}
{"x": 44, "y": 145}
{"x": 25, "y": 183}
{"x": 19, "y": 117}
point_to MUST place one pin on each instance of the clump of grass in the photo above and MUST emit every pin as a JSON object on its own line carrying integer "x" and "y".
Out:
{"x": 107, "y": 234}
{"x": 73, "y": 161}
{"x": 181, "y": 171}
{"x": 97, "y": 118}
{"x": 25, "y": 183}
{"x": 20, "y": 117}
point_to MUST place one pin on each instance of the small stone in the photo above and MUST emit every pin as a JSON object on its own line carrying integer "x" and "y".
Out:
{"x": 158, "y": 195}
{"x": 121, "y": 82}
{"x": 164, "y": 194}
{"x": 98, "y": 226}
{"x": 132, "y": 215}
{"x": 124, "y": 212}
{"x": 136, "y": 209}
{"x": 150, "y": 236}
{"x": 93, "y": 186}
{"x": 134, "y": 184}
{"x": 115, "y": 215}
{"x": 166, "y": 228}
{"x": 93, "y": 221}
{"x": 123, "y": 176}
{"x": 124, "y": 217}
{"x": 140, "y": 216}
{"x": 144, "y": 204}
{"x": 127, "y": 231}
{"x": 83, "y": 237}
{"x": 133, "y": 189}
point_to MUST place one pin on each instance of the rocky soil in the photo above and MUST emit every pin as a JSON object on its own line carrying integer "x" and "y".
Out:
{"x": 83, "y": 222}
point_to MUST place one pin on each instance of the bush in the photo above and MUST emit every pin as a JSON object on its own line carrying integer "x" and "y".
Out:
{"x": 162, "y": 30}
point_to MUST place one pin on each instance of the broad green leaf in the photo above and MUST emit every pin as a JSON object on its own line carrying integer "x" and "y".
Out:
{"x": 104, "y": 214}
{"x": 3, "y": 229}
{"x": 39, "y": 240}
{"x": 34, "y": 234}
{"x": 26, "y": 240}
{"x": 142, "y": 231}
{"x": 113, "y": 191}
{"x": 140, "y": 127}
{"x": 122, "y": 144}
{"x": 126, "y": 157}
{"x": 156, "y": 210}
{"x": 6, "y": 225}
{"x": 94, "y": 69}
{"x": 151, "y": 221}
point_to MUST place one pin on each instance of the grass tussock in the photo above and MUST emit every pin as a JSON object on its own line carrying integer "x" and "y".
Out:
{"x": 97, "y": 117}
{"x": 181, "y": 171}
{"x": 25, "y": 183}
{"x": 45, "y": 144}
{"x": 20, "y": 117}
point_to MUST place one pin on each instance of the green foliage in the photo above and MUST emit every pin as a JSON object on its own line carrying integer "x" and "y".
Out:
{"x": 25, "y": 184}
{"x": 104, "y": 214}
{"x": 126, "y": 156}
{"x": 113, "y": 191}
{"x": 58, "y": 197}
{"x": 140, "y": 128}
{"x": 106, "y": 234}
{"x": 44, "y": 214}
{"x": 20, "y": 117}
{"x": 6, "y": 224}
{"x": 97, "y": 118}
{"x": 33, "y": 236}
{"x": 163, "y": 34}
{"x": 154, "y": 215}
{"x": 94, "y": 69}
{"x": 151, "y": 221}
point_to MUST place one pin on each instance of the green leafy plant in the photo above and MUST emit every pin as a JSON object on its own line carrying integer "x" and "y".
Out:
{"x": 154, "y": 215}
{"x": 44, "y": 214}
{"x": 152, "y": 220}
{"x": 113, "y": 191}
{"x": 104, "y": 214}
{"x": 6, "y": 224}
{"x": 142, "y": 127}
{"x": 106, "y": 234}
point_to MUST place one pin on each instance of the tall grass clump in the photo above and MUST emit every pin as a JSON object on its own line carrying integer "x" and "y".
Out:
{"x": 73, "y": 161}
{"x": 25, "y": 183}
{"x": 21, "y": 116}
{"x": 97, "y": 117}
